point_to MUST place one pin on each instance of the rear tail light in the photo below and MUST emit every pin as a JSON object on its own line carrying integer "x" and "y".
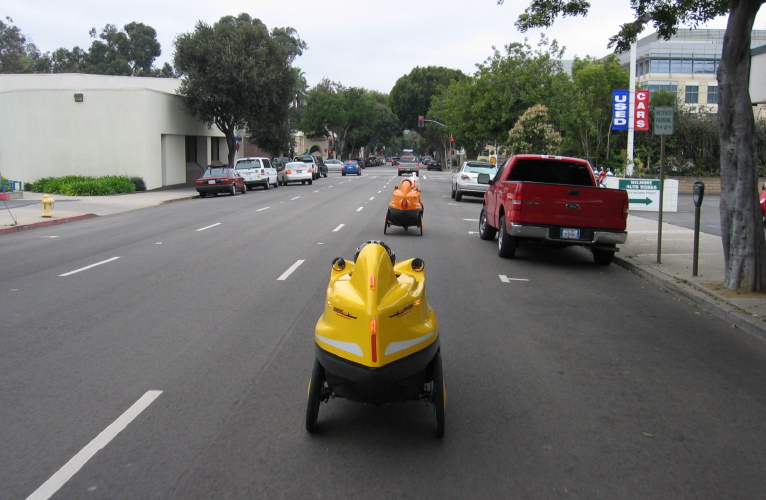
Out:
{"x": 625, "y": 207}
{"x": 465, "y": 177}
{"x": 405, "y": 205}
{"x": 517, "y": 199}
{"x": 288, "y": 171}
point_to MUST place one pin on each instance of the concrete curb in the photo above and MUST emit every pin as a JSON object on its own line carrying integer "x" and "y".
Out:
{"x": 700, "y": 297}
{"x": 46, "y": 223}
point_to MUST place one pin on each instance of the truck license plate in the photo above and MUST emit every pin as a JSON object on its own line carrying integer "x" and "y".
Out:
{"x": 570, "y": 234}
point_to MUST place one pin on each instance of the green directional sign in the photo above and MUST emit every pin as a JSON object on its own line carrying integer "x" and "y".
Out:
{"x": 643, "y": 194}
{"x": 641, "y": 201}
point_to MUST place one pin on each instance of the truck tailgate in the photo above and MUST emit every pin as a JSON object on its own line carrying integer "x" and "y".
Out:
{"x": 571, "y": 206}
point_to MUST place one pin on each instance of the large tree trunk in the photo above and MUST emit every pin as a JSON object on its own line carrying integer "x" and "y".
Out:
{"x": 742, "y": 233}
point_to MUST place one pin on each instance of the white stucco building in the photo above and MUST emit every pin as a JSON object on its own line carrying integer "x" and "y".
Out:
{"x": 53, "y": 125}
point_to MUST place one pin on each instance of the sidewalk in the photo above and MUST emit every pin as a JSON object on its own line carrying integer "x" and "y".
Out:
{"x": 639, "y": 255}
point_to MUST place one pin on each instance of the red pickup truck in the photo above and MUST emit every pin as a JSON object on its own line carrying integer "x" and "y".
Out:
{"x": 554, "y": 199}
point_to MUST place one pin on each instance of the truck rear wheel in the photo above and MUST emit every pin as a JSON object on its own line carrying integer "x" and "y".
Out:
{"x": 486, "y": 232}
{"x": 506, "y": 244}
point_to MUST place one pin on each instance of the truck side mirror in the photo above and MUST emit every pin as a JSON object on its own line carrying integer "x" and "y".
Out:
{"x": 483, "y": 179}
{"x": 699, "y": 193}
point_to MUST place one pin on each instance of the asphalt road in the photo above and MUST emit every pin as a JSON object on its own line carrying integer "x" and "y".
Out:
{"x": 564, "y": 379}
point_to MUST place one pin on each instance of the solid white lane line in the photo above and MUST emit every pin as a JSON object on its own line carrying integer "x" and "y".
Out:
{"x": 338, "y": 228}
{"x": 208, "y": 227}
{"x": 261, "y": 209}
{"x": 287, "y": 273}
{"x": 293, "y": 199}
{"x": 472, "y": 220}
{"x": 88, "y": 267}
{"x": 359, "y": 209}
{"x": 64, "y": 474}
{"x": 506, "y": 279}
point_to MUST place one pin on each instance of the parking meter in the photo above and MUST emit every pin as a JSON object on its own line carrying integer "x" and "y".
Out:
{"x": 699, "y": 193}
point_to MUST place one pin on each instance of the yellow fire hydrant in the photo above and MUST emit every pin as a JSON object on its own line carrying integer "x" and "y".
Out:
{"x": 47, "y": 206}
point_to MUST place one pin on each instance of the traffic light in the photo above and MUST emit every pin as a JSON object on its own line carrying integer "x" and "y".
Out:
{"x": 451, "y": 139}
{"x": 421, "y": 121}
{"x": 329, "y": 151}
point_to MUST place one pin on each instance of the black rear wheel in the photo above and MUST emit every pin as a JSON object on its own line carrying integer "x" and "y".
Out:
{"x": 316, "y": 386}
{"x": 438, "y": 394}
{"x": 506, "y": 244}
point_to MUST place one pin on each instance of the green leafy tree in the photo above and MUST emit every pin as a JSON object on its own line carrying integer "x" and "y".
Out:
{"x": 744, "y": 245}
{"x": 533, "y": 133}
{"x": 17, "y": 55}
{"x": 127, "y": 52}
{"x": 354, "y": 117}
{"x": 413, "y": 95}
{"x": 481, "y": 110}
{"x": 237, "y": 76}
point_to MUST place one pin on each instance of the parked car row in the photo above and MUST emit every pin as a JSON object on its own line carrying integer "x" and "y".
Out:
{"x": 248, "y": 173}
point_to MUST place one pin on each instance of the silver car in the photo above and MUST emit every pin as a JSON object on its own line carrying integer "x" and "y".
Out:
{"x": 464, "y": 179}
{"x": 334, "y": 165}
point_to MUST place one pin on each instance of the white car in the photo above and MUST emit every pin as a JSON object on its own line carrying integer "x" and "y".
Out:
{"x": 334, "y": 165}
{"x": 465, "y": 179}
{"x": 296, "y": 171}
{"x": 257, "y": 171}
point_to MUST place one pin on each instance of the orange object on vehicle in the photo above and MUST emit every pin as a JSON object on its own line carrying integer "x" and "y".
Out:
{"x": 405, "y": 208}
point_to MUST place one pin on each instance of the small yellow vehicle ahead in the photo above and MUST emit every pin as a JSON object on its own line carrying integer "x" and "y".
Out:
{"x": 377, "y": 341}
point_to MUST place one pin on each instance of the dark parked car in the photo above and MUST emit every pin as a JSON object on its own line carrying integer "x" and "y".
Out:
{"x": 220, "y": 180}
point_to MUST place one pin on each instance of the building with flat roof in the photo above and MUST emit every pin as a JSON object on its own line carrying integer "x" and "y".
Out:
{"x": 686, "y": 64}
{"x": 94, "y": 125}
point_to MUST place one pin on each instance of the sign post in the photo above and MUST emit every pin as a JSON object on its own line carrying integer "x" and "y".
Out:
{"x": 663, "y": 125}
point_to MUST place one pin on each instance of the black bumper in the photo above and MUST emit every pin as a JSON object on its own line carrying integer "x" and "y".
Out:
{"x": 402, "y": 380}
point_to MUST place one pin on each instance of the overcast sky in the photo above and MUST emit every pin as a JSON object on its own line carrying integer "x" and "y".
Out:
{"x": 359, "y": 43}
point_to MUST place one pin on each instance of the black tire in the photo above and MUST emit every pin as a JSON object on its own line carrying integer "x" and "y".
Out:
{"x": 266, "y": 186}
{"x": 276, "y": 184}
{"x": 420, "y": 223}
{"x": 602, "y": 257}
{"x": 316, "y": 386}
{"x": 506, "y": 244}
{"x": 486, "y": 232}
{"x": 202, "y": 195}
{"x": 385, "y": 227}
{"x": 452, "y": 195}
{"x": 438, "y": 395}
{"x": 232, "y": 190}
{"x": 244, "y": 189}
{"x": 458, "y": 195}
{"x": 303, "y": 183}
{"x": 310, "y": 182}
{"x": 359, "y": 173}
{"x": 344, "y": 174}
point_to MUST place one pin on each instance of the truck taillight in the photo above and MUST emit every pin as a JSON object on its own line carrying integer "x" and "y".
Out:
{"x": 517, "y": 199}
{"x": 625, "y": 207}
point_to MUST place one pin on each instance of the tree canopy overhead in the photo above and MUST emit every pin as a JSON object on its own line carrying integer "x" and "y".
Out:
{"x": 742, "y": 236}
{"x": 237, "y": 76}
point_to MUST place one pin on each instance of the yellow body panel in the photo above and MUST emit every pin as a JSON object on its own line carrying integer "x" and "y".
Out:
{"x": 376, "y": 313}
